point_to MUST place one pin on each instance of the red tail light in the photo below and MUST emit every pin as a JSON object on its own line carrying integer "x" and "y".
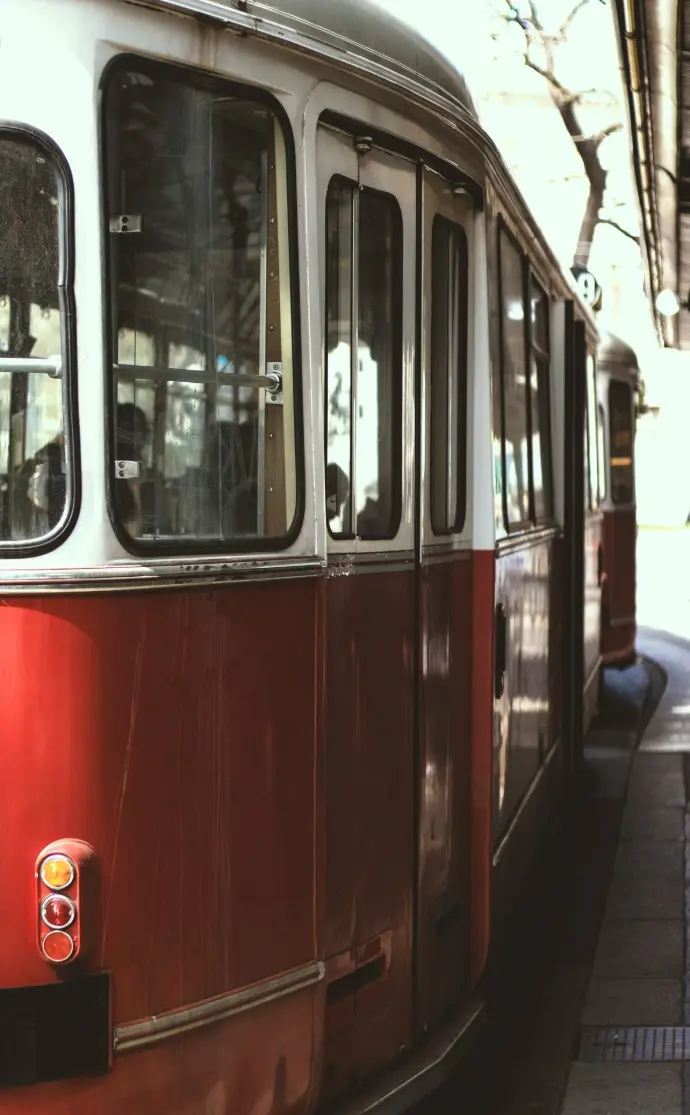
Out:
{"x": 58, "y": 947}
{"x": 67, "y": 900}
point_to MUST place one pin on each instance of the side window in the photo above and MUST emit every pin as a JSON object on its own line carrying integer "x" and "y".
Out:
{"x": 514, "y": 381}
{"x": 363, "y": 361}
{"x": 449, "y": 309}
{"x": 592, "y": 434}
{"x": 601, "y": 453}
{"x": 198, "y": 196}
{"x": 540, "y": 411}
{"x": 36, "y": 473}
{"x": 621, "y": 436}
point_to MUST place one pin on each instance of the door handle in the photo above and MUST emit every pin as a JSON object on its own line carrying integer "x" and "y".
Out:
{"x": 500, "y": 649}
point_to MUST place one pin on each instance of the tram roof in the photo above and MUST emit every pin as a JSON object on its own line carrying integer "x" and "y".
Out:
{"x": 357, "y": 32}
{"x": 613, "y": 350}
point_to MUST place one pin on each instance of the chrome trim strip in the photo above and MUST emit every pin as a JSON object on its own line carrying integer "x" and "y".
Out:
{"x": 527, "y": 798}
{"x": 622, "y": 621}
{"x": 527, "y": 539}
{"x": 358, "y": 569}
{"x": 435, "y": 1060}
{"x": 159, "y": 575}
{"x": 371, "y": 557}
{"x": 445, "y": 557}
{"x": 147, "y": 1031}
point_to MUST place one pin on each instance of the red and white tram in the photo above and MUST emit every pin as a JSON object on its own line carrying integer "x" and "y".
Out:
{"x": 300, "y": 555}
{"x": 619, "y": 384}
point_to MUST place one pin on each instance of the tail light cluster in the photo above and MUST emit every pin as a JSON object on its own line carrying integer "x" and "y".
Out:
{"x": 67, "y": 900}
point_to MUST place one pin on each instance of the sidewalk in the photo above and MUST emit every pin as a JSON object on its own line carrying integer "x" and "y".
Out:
{"x": 635, "y": 1024}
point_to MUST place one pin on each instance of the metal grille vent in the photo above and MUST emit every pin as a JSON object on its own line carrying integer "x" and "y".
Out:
{"x": 635, "y": 1043}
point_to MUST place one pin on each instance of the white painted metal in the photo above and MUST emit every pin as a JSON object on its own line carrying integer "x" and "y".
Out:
{"x": 417, "y": 98}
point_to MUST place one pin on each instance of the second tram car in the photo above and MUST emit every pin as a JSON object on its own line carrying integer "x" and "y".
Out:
{"x": 619, "y": 383}
{"x": 300, "y": 555}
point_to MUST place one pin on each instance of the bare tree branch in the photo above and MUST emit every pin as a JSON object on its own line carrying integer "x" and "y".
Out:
{"x": 577, "y": 98}
{"x": 619, "y": 228}
{"x": 565, "y": 26}
{"x": 598, "y": 137}
{"x": 536, "y": 22}
{"x": 562, "y": 90}
{"x": 567, "y": 100}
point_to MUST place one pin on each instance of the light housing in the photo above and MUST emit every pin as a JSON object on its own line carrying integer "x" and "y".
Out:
{"x": 67, "y": 901}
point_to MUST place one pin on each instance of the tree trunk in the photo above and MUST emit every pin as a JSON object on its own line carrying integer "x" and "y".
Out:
{"x": 590, "y": 219}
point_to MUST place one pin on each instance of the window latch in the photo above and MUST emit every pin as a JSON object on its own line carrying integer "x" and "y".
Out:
{"x": 273, "y": 382}
{"x": 126, "y": 222}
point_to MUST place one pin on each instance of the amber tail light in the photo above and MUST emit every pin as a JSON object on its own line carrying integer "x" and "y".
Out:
{"x": 67, "y": 901}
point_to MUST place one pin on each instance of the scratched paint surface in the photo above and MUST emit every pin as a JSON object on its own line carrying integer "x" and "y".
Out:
{"x": 175, "y": 732}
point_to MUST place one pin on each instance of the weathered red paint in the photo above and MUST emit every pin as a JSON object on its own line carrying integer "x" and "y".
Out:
{"x": 369, "y": 807}
{"x": 176, "y": 733}
{"x": 483, "y": 588}
{"x": 260, "y": 1060}
{"x": 444, "y": 786}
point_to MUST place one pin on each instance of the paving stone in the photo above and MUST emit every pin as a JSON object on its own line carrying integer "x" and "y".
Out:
{"x": 647, "y": 880}
{"x": 652, "y": 823}
{"x": 645, "y": 895}
{"x": 634, "y": 948}
{"x": 657, "y": 780}
{"x": 633, "y": 1002}
{"x": 615, "y": 1089}
{"x": 637, "y": 857}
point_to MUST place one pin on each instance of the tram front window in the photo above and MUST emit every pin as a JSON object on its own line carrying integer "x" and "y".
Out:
{"x": 33, "y": 469}
{"x": 204, "y": 438}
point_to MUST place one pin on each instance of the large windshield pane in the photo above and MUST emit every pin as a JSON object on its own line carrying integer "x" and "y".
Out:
{"x": 202, "y": 326}
{"x": 33, "y": 473}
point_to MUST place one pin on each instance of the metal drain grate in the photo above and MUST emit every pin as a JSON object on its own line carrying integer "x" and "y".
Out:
{"x": 635, "y": 1043}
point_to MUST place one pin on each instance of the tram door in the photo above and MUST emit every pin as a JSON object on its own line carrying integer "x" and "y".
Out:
{"x": 367, "y": 213}
{"x": 445, "y": 604}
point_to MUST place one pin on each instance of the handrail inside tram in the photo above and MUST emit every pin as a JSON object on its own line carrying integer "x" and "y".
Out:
{"x": 272, "y": 381}
{"x": 48, "y": 365}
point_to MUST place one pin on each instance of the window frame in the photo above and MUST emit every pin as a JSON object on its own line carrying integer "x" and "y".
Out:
{"x": 619, "y": 383}
{"x": 533, "y": 281}
{"x": 602, "y": 455}
{"x": 396, "y": 412}
{"x": 200, "y": 79}
{"x": 456, "y": 234}
{"x": 593, "y": 491}
{"x": 530, "y": 276}
{"x": 67, "y": 308}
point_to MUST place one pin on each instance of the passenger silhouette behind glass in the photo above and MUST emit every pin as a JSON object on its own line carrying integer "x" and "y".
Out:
{"x": 337, "y": 491}
{"x": 46, "y": 484}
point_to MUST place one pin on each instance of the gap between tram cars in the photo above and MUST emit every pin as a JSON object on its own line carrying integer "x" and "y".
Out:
{"x": 311, "y": 501}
